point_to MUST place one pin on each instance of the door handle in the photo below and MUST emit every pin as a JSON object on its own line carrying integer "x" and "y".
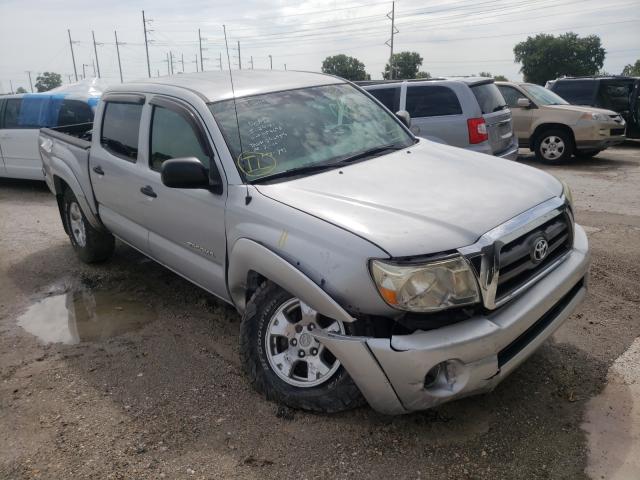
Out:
{"x": 148, "y": 191}
{"x": 98, "y": 170}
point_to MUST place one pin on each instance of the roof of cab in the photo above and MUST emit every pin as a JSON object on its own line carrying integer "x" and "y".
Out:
{"x": 216, "y": 86}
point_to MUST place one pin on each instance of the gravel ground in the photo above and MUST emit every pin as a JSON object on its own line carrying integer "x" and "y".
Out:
{"x": 125, "y": 370}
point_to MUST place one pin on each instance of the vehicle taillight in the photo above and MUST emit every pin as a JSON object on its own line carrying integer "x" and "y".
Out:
{"x": 477, "y": 130}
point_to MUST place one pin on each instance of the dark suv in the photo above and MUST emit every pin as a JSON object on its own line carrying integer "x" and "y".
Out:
{"x": 616, "y": 93}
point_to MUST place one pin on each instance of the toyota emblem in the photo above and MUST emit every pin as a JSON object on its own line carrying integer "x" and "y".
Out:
{"x": 539, "y": 250}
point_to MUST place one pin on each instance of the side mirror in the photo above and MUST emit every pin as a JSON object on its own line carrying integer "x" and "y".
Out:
{"x": 404, "y": 117}
{"x": 184, "y": 173}
{"x": 524, "y": 103}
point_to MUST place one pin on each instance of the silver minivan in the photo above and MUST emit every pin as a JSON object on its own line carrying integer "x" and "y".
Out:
{"x": 466, "y": 112}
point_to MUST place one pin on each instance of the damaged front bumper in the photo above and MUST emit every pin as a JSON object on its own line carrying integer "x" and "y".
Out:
{"x": 414, "y": 372}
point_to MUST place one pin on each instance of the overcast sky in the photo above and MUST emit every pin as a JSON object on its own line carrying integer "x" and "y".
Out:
{"x": 455, "y": 37}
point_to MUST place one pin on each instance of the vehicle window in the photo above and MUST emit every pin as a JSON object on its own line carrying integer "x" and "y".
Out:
{"x": 120, "y": 129}
{"x": 489, "y": 97}
{"x": 615, "y": 95}
{"x": 293, "y": 129}
{"x": 432, "y": 101}
{"x": 73, "y": 112}
{"x": 173, "y": 137}
{"x": 577, "y": 92}
{"x": 542, "y": 96}
{"x": 11, "y": 113}
{"x": 511, "y": 95}
{"x": 389, "y": 97}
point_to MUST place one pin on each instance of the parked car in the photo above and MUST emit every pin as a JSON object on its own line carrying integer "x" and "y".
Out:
{"x": 22, "y": 116}
{"x": 465, "y": 112}
{"x": 554, "y": 129}
{"x": 364, "y": 261}
{"x": 616, "y": 93}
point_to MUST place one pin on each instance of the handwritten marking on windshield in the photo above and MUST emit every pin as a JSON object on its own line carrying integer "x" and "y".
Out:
{"x": 256, "y": 164}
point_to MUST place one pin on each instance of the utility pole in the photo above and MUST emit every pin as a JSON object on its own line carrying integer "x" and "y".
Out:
{"x": 271, "y": 62}
{"x": 95, "y": 50}
{"x": 118, "y": 51}
{"x": 93, "y": 65}
{"x": 168, "y": 65}
{"x": 84, "y": 75}
{"x": 171, "y": 59}
{"x": 157, "y": 72}
{"x": 73, "y": 57}
{"x": 239, "y": 57}
{"x": 220, "y": 60}
{"x": 392, "y": 16}
{"x": 182, "y": 54}
{"x": 11, "y": 86}
{"x": 285, "y": 66}
{"x": 146, "y": 41}
{"x": 69, "y": 78}
{"x": 196, "y": 62}
{"x": 30, "y": 83}
{"x": 201, "y": 58}
{"x": 251, "y": 61}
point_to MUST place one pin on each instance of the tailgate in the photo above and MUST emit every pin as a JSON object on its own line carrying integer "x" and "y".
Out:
{"x": 500, "y": 129}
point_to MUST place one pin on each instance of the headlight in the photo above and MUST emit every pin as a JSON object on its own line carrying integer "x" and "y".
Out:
{"x": 600, "y": 117}
{"x": 566, "y": 192}
{"x": 426, "y": 287}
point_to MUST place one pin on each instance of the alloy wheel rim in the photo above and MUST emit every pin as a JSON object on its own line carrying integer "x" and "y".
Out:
{"x": 552, "y": 147}
{"x": 294, "y": 354}
{"x": 77, "y": 224}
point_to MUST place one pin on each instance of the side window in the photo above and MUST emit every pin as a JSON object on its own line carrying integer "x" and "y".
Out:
{"x": 172, "y": 136}
{"x": 432, "y": 101}
{"x": 578, "y": 92}
{"x": 389, "y": 97}
{"x": 12, "y": 113}
{"x": 615, "y": 96}
{"x": 120, "y": 129}
{"x": 511, "y": 95}
{"x": 74, "y": 112}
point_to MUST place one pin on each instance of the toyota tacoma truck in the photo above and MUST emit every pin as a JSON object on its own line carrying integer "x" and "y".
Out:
{"x": 367, "y": 264}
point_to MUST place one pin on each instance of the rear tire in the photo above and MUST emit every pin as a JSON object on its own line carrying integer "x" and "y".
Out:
{"x": 90, "y": 244}
{"x": 270, "y": 345}
{"x": 554, "y": 146}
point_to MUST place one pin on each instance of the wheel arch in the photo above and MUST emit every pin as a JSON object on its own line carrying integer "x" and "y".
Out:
{"x": 251, "y": 263}
{"x": 541, "y": 128}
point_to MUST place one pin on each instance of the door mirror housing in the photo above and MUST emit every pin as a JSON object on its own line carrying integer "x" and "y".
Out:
{"x": 404, "y": 117}
{"x": 524, "y": 103}
{"x": 187, "y": 172}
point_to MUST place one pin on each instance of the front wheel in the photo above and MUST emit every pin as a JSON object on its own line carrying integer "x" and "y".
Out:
{"x": 285, "y": 362}
{"x": 90, "y": 244}
{"x": 554, "y": 146}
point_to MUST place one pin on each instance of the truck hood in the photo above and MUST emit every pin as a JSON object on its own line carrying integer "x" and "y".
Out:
{"x": 428, "y": 198}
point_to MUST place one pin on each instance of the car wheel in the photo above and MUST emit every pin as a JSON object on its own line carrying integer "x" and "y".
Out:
{"x": 90, "y": 244}
{"x": 284, "y": 362}
{"x": 582, "y": 154}
{"x": 554, "y": 146}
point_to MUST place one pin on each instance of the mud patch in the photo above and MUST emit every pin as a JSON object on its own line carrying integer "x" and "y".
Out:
{"x": 84, "y": 316}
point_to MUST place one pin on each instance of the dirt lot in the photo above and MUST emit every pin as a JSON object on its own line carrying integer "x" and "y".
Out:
{"x": 125, "y": 370}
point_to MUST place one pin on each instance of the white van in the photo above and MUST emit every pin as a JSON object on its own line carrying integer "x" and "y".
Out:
{"x": 21, "y": 118}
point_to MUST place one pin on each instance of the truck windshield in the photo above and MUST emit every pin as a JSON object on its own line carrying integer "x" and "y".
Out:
{"x": 542, "y": 96}
{"x": 305, "y": 130}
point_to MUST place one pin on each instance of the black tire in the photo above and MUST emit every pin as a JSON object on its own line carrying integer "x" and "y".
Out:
{"x": 586, "y": 155}
{"x": 336, "y": 394}
{"x": 554, "y": 146}
{"x": 98, "y": 245}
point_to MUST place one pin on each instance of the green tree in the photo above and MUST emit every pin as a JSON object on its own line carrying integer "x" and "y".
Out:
{"x": 48, "y": 81}
{"x": 346, "y": 67}
{"x": 21, "y": 90}
{"x": 499, "y": 78}
{"x": 405, "y": 65}
{"x": 425, "y": 75}
{"x": 632, "y": 70}
{"x": 546, "y": 57}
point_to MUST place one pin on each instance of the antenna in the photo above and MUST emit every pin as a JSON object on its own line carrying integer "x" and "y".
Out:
{"x": 247, "y": 198}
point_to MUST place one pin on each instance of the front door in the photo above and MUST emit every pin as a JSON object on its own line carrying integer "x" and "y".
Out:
{"x": 522, "y": 117}
{"x": 186, "y": 226}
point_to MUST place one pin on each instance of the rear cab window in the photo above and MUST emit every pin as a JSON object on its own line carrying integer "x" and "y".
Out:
{"x": 489, "y": 97}
{"x": 577, "y": 92}
{"x": 432, "y": 101}
{"x": 389, "y": 97}
{"x": 121, "y": 129}
{"x": 74, "y": 112}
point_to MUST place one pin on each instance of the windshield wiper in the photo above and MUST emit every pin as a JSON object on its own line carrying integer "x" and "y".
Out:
{"x": 294, "y": 172}
{"x": 371, "y": 152}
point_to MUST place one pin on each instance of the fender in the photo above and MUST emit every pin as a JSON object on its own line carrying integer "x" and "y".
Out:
{"x": 248, "y": 255}
{"x": 61, "y": 171}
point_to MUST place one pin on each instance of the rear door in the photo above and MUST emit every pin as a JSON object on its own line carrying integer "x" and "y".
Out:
{"x": 19, "y": 128}
{"x": 436, "y": 114}
{"x": 496, "y": 114}
{"x": 117, "y": 175}
{"x": 522, "y": 117}
{"x": 186, "y": 226}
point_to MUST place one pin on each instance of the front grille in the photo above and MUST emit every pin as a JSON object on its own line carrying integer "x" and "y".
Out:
{"x": 617, "y": 131}
{"x": 516, "y": 263}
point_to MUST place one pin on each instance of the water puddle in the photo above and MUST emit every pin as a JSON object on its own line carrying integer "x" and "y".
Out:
{"x": 84, "y": 316}
{"x": 612, "y": 421}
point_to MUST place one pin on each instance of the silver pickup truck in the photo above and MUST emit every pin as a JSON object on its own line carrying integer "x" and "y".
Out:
{"x": 366, "y": 263}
